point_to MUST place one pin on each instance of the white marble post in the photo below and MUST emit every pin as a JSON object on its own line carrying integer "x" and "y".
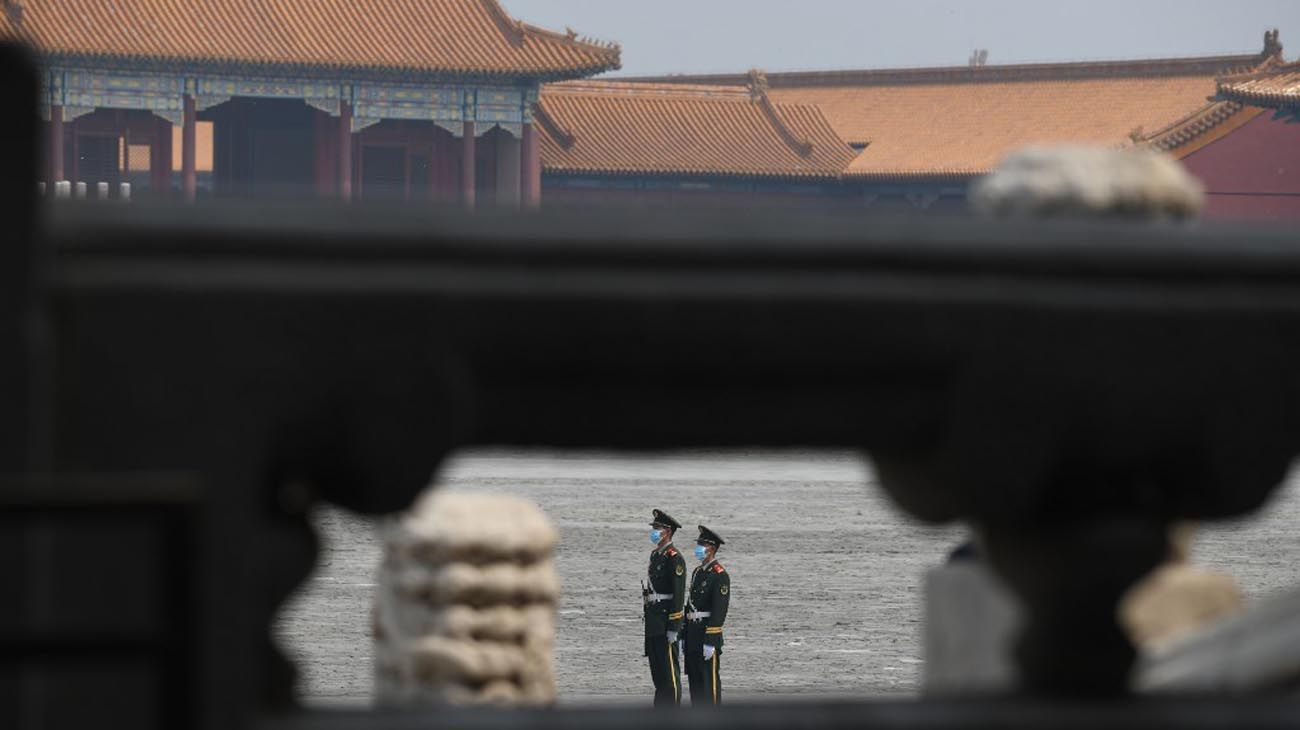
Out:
{"x": 465, "y": 609}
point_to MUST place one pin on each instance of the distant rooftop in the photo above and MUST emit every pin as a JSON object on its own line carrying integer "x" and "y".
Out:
{"x": 959, "y": 121}
{"x": 618, "y": 128}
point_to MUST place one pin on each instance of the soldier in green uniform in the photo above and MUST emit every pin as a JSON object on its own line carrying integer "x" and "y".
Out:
{"x": 664, "y": 595}
{"x": 706, "y": 610}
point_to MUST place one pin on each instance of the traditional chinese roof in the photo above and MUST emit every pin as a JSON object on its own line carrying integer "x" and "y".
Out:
{"x": 415, "y": 37}
{"x": 613, "y": 128}
{"x": 960, "y": 122}
{"x": 1277, "y": 87}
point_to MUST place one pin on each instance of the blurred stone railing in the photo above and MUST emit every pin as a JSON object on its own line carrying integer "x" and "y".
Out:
{"x": 68, "y": 190}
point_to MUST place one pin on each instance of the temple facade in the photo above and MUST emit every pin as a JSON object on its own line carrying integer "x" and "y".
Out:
{"x": 407, "y": 99}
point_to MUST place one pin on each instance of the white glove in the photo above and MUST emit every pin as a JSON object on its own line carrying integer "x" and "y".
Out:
{"x": 681, "y": 647}
{"x": 672, "y": 636}
{"x": 708, "y": 652}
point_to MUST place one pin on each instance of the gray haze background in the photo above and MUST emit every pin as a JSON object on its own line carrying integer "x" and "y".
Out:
{"x": 702, "y": 36}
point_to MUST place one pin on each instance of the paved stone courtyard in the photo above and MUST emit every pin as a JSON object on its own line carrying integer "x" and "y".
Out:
{"x": 825, "y": 571}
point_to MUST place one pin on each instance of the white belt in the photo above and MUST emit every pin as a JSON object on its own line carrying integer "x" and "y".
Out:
{"x": 698, "y": 615}
{"x": 656, "y": 597}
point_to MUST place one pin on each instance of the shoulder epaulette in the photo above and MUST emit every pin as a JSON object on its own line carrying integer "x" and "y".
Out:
{"x": 717, "y": 568}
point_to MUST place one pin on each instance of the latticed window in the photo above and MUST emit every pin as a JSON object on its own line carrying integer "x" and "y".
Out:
{"x": 137, "y": 158}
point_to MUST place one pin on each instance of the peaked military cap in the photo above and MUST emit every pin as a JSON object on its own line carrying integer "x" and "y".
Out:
{"x": 709, "y": 537}
{"x": 663, "y": 519}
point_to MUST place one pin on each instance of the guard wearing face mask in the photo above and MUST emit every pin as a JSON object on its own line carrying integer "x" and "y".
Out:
{"x": 706, "y": 610}
{"x": 664, "y": 594}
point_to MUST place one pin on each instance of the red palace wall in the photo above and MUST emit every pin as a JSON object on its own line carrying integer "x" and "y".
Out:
{"x": 1252, "y": 172}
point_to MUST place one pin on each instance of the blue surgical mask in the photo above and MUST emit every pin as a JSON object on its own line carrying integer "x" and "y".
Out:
{"x": 701, "y": 553}
{"x": 656, "y": 536}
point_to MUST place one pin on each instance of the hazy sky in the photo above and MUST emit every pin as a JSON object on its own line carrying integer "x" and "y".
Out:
{"x": 700, "y": 36}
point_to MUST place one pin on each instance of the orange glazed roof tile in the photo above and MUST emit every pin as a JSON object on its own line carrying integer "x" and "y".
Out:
{"x": 424, "y": 37}
{"x": 960, "y": 121}
{"x": 602, "y": 127}
{"x": 1277, "y": 87}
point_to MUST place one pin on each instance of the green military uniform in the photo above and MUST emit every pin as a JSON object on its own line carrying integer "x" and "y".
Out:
{"x": 664, "y": 595}
{"x": 706, "y": 612}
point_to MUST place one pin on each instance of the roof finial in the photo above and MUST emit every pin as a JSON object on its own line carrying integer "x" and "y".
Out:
{"x": 14, "y": 10}
{"x": 757, "y": 84}
{"x": 1272, "y": 43}
{"x": 570, "y": 33}
{"x": 979, "y": 58}
{"x": 513, "y": 29}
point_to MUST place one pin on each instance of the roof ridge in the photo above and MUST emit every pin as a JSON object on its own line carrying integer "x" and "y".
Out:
{"x": 552, "y": 126}
{"x": 513, "y": 29}
{"x": 1275, "y": 87}
{"x": 1266, "y": 69}
{"x": 758, "y": 93}
{"x": 1057, "y": 70}
{"x": 605, "y": 86}
{"x": 572, "y": 37}
{"x": 1244, "y": 87}
{"x": 1036, "y": 71}
{"x": 518, "y": 31}
{"x": 1190, "y": 127}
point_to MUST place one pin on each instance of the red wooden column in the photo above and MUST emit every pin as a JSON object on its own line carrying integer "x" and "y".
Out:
{"x": 467, "y": 166}
{"x": 326, "y": 161}
{"x": 160, "y": 158}
{"x": 530, "y": 168}
{"x": 446, "y": 189}
{"x": 320, "y": 172}
{"x": 345, "y": 150}
{"x": 359, "y": 164}
{"x": 76, "y": 153}
{"x": 450, "y": 169}
{"x": 55, "y": 152}
{"x": 406, "y": 172}
{"x": 435, "y": 166}
{"x": 189, "y": 151}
